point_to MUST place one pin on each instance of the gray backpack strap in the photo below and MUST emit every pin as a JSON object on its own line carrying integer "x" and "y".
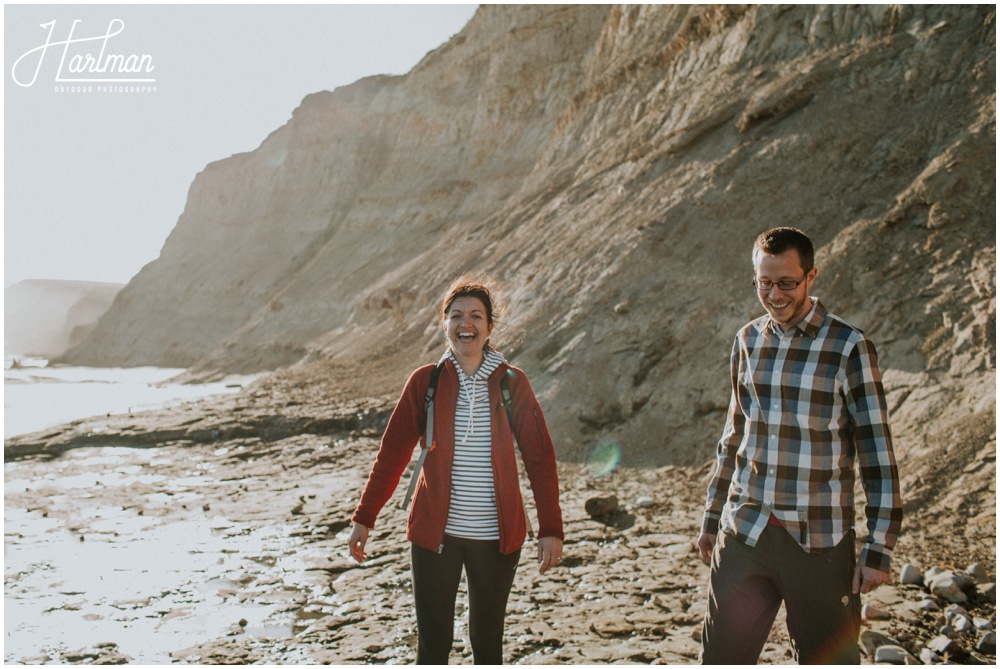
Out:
{"x": 428, "y": 432}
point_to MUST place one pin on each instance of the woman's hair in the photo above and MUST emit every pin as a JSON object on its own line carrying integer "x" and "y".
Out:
{"x": 484, "y": 288}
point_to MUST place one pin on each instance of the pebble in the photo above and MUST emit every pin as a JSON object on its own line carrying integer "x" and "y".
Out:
{"x": 975, "y": 657}
{"x": 978, "y": 572}
{"x": 954, "y": 610}
{"x": 964, "y": 580}
{"x": 962, "y": 624}
{"x": 871, "y": 640}
{"x": 982, "y": 623}
{"x": 928, "y": 605}
{"x": 644, "y": 502}
{"x": 988, "y": 643}
{"x": 928, "y": 656}
{"x": 894, "y": 655}
{"x": 869, "y": 612}
{"x": 946, "y": 585}
{"x": 910, "y": 575}
{"x": 942, "y": 644}
{"x": 601, "y": 507}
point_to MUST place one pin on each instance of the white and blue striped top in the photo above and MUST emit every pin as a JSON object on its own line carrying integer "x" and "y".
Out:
{"x": 472, "y": 513}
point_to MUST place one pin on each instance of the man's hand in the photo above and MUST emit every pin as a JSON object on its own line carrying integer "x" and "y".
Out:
{"x": 706, "y": 544}
{"x": 867, "y": 579}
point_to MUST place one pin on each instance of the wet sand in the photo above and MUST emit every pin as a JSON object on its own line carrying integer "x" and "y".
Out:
{"x": 221, "y": 554}
{"x": 232, "y": 551}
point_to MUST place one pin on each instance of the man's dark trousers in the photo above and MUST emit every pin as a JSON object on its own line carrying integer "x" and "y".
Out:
{"x": 748, "y": 585}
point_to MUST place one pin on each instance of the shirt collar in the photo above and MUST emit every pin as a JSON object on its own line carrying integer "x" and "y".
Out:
{"x": 809, "y": 325}
{"x": 491, "y": 360}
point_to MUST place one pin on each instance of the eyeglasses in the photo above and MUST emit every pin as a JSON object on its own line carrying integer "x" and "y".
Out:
{"x": 763, "y": 285}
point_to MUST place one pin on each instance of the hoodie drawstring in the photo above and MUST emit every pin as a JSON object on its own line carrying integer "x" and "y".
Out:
{"x": 472, "y": 405}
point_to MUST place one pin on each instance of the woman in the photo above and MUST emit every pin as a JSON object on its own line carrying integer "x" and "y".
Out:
{"x": 467, "y": 510}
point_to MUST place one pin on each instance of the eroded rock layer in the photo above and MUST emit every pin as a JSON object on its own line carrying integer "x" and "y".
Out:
{"x": 612, "y": 166}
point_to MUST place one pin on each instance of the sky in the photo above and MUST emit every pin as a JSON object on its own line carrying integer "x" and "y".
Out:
{"x": 97, "y": 173}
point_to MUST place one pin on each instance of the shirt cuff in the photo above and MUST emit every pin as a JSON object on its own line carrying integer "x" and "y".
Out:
{"x": 876, "y": 557}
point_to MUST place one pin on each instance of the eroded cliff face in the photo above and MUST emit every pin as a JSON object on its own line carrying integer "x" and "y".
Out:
{"x": 612, "y": 165}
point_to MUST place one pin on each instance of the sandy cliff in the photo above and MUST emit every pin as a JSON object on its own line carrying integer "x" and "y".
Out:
{"x": 613, "y": 166}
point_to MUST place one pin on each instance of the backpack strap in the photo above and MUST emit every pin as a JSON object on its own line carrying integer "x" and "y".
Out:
{"x": 508, "y": 403}
{"x": 428, "y": 431}
{"x": 507, "y": 399}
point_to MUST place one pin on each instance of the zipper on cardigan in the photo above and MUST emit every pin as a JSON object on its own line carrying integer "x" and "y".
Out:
{"x": 501, "y": 526}
{"x": 440, "y": 549}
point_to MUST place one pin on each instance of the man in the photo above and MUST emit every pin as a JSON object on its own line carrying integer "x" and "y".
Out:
{"x": 807, "y": 400}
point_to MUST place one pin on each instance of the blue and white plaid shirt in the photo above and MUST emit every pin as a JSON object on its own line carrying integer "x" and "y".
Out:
{"x": 805, "y": 404}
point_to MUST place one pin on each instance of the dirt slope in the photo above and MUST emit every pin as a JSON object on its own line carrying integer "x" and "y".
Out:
{"x": 612, "y": 165}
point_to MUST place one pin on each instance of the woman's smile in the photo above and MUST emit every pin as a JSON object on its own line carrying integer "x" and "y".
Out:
{"x": 467, "y": 326}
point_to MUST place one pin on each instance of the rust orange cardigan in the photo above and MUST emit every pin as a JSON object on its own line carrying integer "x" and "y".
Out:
{"x": 429, "y": 509}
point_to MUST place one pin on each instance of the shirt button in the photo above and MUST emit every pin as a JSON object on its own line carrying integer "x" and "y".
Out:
{"x": 775, "y": 407}
{"x": 771, "y": 470}
{"x": 773, "y": 437}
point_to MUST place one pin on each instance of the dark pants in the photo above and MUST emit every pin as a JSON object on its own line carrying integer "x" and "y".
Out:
{"x": 436, "y": 576}
{"x": 747, "y": 588}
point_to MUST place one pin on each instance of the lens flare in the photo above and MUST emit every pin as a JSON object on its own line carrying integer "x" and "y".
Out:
{"x": 604, "y": 459}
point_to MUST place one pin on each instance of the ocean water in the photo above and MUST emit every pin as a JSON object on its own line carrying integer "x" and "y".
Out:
{"x": 153, "y": 583}
{"x": 37, "y": 396}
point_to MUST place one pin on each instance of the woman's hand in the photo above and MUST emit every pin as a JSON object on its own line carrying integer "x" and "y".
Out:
{"x": 549, "y": 553}
{"x": 356, "y": 544}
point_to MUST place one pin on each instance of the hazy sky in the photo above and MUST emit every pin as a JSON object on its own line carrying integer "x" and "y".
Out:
{"x": 94, "y": 181}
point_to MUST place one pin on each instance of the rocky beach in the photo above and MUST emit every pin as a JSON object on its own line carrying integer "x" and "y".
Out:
{"x": 612, "y": 166}
{"x": 223, "y": 525}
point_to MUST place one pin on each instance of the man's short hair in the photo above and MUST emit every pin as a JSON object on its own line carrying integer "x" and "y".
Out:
{"x": 778, "y": 240}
